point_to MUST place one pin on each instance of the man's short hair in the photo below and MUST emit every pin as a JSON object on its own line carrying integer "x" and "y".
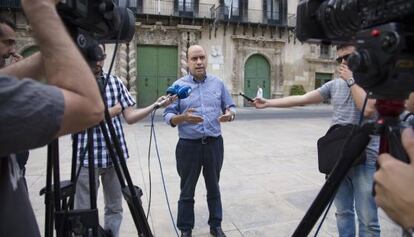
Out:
{"x": 6, "y": 21}
{"x": 345, "y": 45}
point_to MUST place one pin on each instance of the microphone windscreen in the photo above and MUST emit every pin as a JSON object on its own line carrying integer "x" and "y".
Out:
{"x": 183, "y": 92}
{"x": 172, "y": 90}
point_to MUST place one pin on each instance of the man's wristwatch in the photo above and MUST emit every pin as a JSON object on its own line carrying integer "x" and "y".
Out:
{"x": 350, "y": 82}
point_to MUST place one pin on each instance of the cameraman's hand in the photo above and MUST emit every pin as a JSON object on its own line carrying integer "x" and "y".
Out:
{"x": 344, "y": 72}
{"x": 394, "y": 184}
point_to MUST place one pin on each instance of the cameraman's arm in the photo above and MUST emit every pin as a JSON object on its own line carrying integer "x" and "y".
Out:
{"x": 65, "y": 67}
{"x": 30, "y": 67}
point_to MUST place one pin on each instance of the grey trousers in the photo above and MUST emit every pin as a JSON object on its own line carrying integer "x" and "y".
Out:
{"x": 112, "y": 196}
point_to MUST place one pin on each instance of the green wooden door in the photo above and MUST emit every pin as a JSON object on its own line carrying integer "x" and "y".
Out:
{"x": 29, "y": 51}
{"x": 322, "y": 78}
{"x": 156, "y": 70}
{"x": 256, "y": 74}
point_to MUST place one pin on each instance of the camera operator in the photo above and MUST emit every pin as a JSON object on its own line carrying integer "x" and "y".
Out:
{"x": 8, "y": 51}
{"x": 393, "y": 184}
{"x": 8, "y": 42}
{"x": 32, "y": 113}
{"x": 355, "y": 190}
{"x": 119, "y": 102}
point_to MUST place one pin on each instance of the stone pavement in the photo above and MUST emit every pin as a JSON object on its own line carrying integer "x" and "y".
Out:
{"x": 268, "y": 181}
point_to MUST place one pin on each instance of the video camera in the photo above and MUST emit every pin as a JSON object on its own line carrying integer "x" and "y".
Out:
{"x": 91, "y": 22}
{"x": 384, "y": 35}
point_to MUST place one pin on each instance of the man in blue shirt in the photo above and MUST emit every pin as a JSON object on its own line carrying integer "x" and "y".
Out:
{"x": 200, "y": 146}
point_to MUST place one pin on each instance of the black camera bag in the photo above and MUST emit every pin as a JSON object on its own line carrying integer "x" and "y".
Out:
{"x": 330, "y": 147}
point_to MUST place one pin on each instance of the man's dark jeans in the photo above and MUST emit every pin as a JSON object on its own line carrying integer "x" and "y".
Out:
{"x": 192, "y": 157}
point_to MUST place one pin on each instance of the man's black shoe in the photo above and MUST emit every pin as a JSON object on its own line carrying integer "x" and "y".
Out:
{"x": 217, "y": 232}
{"x": 186, "y": 233}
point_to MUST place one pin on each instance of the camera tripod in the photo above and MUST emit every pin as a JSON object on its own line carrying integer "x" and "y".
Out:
{"x": 388, "y": 127}
{"x": 59, "y": 195}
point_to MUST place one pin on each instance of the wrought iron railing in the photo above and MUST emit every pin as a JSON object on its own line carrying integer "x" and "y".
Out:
{"x": 167, "y": 8}
{"x": 225, "y": 13}
{"x": 14, "y": 4}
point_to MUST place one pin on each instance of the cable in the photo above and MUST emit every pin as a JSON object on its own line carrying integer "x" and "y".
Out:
{"x": 149, "y": 164}
{"x": 324, "y": 216}
{"x": 153, "y": 134}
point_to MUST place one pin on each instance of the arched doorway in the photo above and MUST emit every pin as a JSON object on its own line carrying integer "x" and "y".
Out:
{"x": 256, "y": 74}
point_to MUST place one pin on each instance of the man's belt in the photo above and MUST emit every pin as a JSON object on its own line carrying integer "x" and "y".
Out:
{"x": 203, "y": 140}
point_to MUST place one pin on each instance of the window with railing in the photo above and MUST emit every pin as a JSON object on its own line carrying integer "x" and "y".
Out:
{"x": 186, "y": 7}
{"x": 325, "y": 51}
{"x": 231, "y": 8}
{"x": 273, "y": 9}
{"x": 10, "y": 4}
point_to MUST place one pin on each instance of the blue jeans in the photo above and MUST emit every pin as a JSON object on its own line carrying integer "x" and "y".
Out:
{"x": 356, "y": 188}
{"x": 192, "y": 159}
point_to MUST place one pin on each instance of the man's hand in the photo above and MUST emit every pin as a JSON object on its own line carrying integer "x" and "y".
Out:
{"x": 168, "y": 100}
{"x": 228, "y": 116}
{"x": 344, "y": 72}
{"x": 394, "y": 184}
{"x": 260, "y": 103}
{"x": 115, "y": 110}
{"x": 191, "y": 118}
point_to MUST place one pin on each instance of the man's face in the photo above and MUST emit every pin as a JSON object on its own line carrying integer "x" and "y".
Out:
{"x": 197, "y": 61}
{"x": 97, "y": 67}
{"x": 343, "y": 54}
{"x": 7, "y": 41}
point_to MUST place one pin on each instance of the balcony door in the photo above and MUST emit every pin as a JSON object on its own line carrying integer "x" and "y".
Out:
{"x": 185, "y": 7}
{"x": 274, "y": 11}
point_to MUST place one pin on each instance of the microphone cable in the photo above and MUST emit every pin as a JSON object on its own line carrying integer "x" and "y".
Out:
{"x": 149, "y": 162}
{"x": 153, "y": 135}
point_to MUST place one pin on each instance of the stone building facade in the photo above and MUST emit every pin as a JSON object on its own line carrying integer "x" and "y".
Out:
{"x": 248, "y": 44}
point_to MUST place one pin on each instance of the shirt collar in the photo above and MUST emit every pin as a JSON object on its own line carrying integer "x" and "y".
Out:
{"x": 197, "y": 81}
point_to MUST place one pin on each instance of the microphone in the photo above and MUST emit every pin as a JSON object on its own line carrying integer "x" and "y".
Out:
{"x": 182, "y": 92}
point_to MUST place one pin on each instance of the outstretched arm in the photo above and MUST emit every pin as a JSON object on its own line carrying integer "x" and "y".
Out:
{"x": 312, "y": 97}
{"x": 133, "y": 115}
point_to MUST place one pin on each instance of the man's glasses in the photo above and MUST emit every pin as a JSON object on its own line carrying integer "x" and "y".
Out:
{"x": 345, "y": 57}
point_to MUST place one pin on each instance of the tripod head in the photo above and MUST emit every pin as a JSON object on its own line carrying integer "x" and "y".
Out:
{"x": 388, "y": 126}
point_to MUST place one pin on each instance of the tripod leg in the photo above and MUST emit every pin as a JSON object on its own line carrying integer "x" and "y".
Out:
{"x": 92, "y": 184}
{"x": 130, "y": 191}
{"x": 48, "y": 197}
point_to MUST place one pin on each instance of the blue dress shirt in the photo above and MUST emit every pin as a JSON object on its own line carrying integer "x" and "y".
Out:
{"x": 209, "y": 98}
